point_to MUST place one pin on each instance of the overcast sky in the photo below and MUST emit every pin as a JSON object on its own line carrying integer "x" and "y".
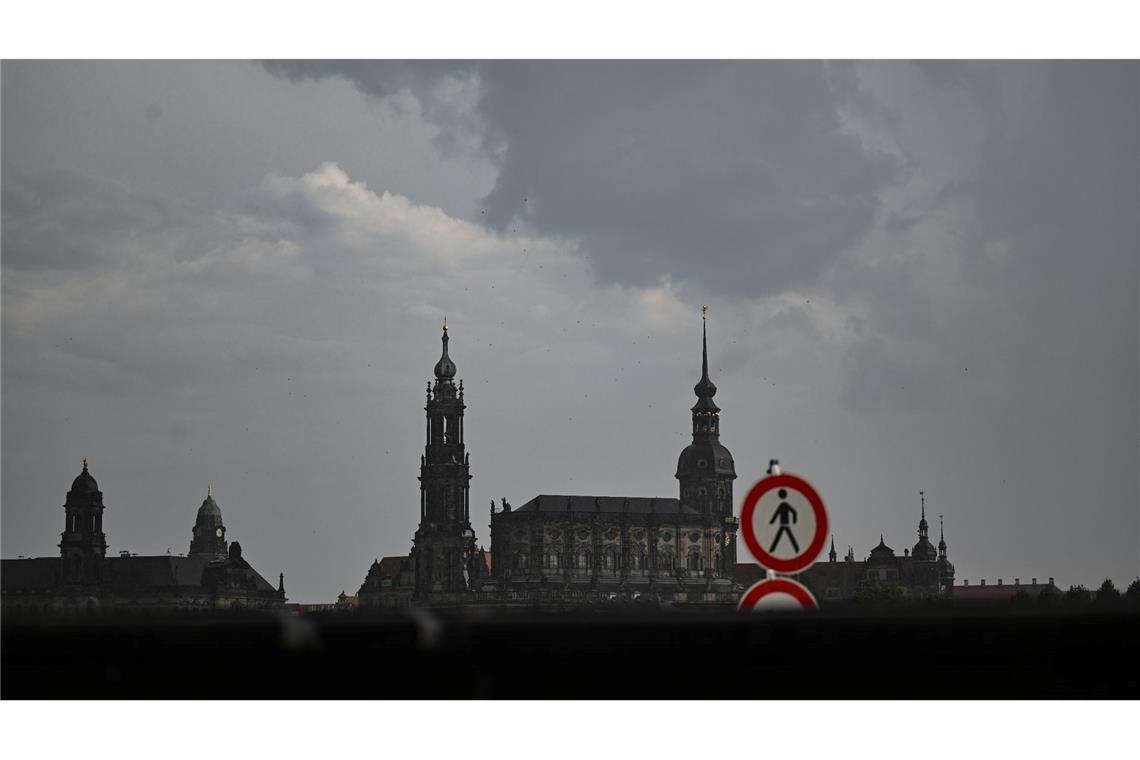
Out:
{"x": 919, "y": 276}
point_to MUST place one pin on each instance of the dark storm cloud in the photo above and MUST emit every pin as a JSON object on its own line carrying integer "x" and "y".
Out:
{"x": 733, "y": 176}
{"x": 1023, "y": 269}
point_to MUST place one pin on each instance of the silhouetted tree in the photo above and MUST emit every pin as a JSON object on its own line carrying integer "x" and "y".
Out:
{"x": 874, "y": 590}
{"x": 1107, "y": 593}
{"x": 1133, "y": 592}
{"x": 1078, "y": 595}
{"x": 1049, "y": 595}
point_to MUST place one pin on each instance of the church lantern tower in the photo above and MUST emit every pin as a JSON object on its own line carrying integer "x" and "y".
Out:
{"x": 83, "y": 544}
{"x": 705, "y": 468}
{"x": 444, "y": 540}
{"x": 209, "y": 531}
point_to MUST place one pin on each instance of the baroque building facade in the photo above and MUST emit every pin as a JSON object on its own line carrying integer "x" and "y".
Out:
{"x": 565, "y": 548}
{"x": 213, "y": 577}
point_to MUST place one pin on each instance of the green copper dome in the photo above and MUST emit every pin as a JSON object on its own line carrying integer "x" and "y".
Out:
{"x": 445, "y": 368}
{"x": 209, "y": 506}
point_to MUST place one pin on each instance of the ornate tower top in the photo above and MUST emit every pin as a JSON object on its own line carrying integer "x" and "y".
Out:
{"x": 209, "y": 533}
{"x": 444, "y": 368}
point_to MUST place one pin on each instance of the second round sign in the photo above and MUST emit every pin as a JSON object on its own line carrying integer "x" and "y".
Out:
{"x": 784, "y": 523}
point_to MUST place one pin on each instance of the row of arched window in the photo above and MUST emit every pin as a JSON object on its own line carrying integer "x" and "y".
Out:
{"x": 610, "y": 560}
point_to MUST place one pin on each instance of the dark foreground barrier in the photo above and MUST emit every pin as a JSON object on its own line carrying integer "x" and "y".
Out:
{"x": 961, "y": 654}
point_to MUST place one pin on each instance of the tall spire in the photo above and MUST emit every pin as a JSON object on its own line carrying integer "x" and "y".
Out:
{"x": 923, "y": 526}
{"x": 704, "y": 343}
{"x": 831, "y": 555}
{"x": 941, "y": 538}
{"x": 705, "y": 389}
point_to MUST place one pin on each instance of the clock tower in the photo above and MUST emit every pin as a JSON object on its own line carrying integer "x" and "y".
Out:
{"x": 444, "y": 542}
{"x": 209, "y": 533}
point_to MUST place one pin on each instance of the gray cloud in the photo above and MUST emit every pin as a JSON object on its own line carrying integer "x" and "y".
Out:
{"x": 691, "y": 170}
{"x": 66, "y": 220}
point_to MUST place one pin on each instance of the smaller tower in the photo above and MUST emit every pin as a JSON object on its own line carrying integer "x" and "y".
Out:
{"x": 83, "y": 543}
{"x": 945, "y": 567}
{"x": 831, "y": 555}
{"x": 209, "y": 532}
{"x": 924, "y": 550}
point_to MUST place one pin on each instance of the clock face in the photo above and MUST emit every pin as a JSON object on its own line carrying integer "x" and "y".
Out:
{"x": 218, "y": 532}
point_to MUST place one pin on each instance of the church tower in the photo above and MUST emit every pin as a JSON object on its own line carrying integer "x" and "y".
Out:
{"x": 444, "y": 540}
{"x": 83, "y": 543}
{"x": 705, "y": 468}
{"x": 209, "y": 532}
{"x": 924, "y": 550}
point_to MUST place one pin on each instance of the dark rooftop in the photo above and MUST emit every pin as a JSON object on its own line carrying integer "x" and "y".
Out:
{"x": 607, "y": 504}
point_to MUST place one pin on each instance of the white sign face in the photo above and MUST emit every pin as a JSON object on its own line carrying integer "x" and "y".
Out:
{"x": 778, "y": 601}
{"x": 784, "y": 523}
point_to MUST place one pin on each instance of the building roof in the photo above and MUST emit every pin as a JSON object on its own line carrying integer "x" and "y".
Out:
{"x": 32, "y": 574}
{"x": 607, "y": 504}
{"x": 390, "y": 566}
{"x": 162, "y": 571}
{"x": 127, "y": 575}
{"x": 995, "y": 592}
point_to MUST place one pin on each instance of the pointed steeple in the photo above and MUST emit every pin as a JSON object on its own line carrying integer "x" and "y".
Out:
{"x": 923, "y": 526}
{"x": 941, "y": 538}
{"x": 705, "y": 389}
{"x": 831, "y": 555}
{"x": 924, "y": 550}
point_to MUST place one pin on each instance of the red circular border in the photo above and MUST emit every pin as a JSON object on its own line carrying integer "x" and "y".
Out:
{"x": 808, "y": 557}
{"x": 763, "y": 588}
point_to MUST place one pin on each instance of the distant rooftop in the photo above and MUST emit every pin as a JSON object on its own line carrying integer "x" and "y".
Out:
{"x": 607, "y": 504}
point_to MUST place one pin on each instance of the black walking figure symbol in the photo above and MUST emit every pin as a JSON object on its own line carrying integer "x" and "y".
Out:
{"x": 783, "y": 512}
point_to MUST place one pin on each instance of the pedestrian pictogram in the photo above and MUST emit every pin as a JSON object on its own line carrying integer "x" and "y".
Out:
{"x": 777, "y": 595}
{"x": 783, "y": 512}
{"x": 784, "y": 523}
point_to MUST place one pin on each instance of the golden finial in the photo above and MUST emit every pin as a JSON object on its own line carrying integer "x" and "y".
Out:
{"x": 445, "y": 323}
{"x": 85, "y": 463}
{"x": 209, "y": 492}
{"x": 704, "y": 312}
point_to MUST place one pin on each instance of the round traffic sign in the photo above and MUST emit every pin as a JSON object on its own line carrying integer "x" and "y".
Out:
{"x": 777, "y": 595}
{"x": 784, "y": 523}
